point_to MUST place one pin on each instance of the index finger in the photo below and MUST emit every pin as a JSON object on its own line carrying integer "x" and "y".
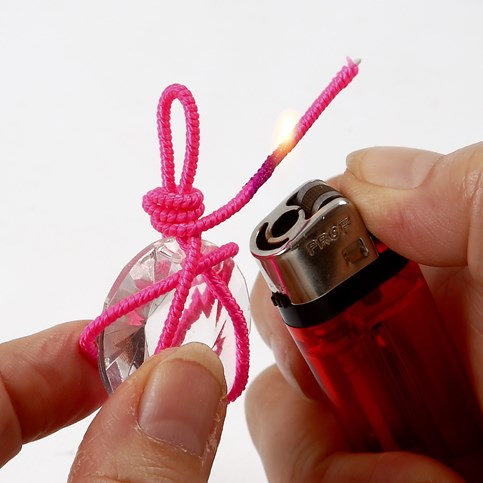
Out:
{"x": 46, "y": 383}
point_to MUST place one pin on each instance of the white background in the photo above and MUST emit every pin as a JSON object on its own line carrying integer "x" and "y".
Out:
{"x": 79, "y": 84}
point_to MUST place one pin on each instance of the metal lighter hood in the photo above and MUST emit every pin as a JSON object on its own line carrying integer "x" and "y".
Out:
{"x": 311, "y": 242}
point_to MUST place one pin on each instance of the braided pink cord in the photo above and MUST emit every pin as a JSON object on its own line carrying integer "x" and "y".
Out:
{"x": 176, "y": 211}
{"x": 202, "y": 302}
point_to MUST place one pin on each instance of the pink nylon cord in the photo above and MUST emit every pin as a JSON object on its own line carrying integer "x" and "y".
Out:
{"x": 176, "y": 210}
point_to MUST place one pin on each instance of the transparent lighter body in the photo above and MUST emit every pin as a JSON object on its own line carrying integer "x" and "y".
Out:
{"x": 392, "y": 375}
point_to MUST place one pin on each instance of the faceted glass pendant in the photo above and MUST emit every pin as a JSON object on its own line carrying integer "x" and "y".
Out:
{"x": 125, "y": 344}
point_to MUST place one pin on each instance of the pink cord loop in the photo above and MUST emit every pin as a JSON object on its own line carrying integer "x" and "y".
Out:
{"x": 184, "y": 96}
{"x": 174, "y": 208}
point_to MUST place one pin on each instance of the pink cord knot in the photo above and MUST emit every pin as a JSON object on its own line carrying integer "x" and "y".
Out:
{"x": 175, "y": 209}
{"x": 167, "y": 208}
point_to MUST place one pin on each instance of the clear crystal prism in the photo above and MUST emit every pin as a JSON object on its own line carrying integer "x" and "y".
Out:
{"x": 125, "y": 344}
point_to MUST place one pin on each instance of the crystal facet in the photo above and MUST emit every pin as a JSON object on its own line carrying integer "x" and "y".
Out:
{"x": 128, "y": 342}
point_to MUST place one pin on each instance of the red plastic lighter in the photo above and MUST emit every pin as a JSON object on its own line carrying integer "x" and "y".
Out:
{"x": 365, "y": 321}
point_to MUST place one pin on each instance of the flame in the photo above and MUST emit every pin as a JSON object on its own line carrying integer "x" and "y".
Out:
{"x": 284, "y": 126}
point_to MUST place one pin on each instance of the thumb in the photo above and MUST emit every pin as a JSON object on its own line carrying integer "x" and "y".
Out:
{"x": 426, "y": 206}
{"x": 163, "y": 424}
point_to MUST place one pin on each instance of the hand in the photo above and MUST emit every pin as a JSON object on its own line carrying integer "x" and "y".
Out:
{"x": 429, "y": 208}
{"x": 163, "y": 424}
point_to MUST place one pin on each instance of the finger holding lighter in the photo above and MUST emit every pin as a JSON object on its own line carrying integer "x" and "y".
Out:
{"x": 400, "y": 364}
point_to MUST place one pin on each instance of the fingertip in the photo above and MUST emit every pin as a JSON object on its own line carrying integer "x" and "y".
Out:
{"x": 294, "y": 367}
{"x": 163, "y": 423}
{"x": 422, "y": 204}
{"x": 195, "y": 372}
{"x": 259, "y": 295}
{"x": 392, "y": 167}
{"x": 260, "y": 393}
{"x": 49, "y": 367}
{"x": 273, "y": 331}
{"x": 335, "y": 182}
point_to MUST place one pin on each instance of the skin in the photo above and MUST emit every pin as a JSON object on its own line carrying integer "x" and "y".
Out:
{"x": 153, "y": 428}
{"x": 117, "y": 446}
{"x": 436, "y": 201}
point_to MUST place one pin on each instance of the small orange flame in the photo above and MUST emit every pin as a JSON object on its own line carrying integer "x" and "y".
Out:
{"x": 284, "y": 126}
